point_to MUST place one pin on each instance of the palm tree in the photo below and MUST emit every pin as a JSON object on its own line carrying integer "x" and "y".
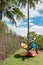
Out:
{"x": 9, "y": 8}
{"x": 30, "y": 3}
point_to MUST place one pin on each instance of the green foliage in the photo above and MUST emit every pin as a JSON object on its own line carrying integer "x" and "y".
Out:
{"x": 3, "y": 26}
{"x": 22, "y": 2}
{"x": 18, "y": 13}
{"x": 31, "y": 3}
{"x": 39, "y": 41}
{"x": 33, "y": 33}
{"x": 10, "y": 9}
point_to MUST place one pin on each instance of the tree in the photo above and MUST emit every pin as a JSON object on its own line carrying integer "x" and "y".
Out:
{"x": 30, "y": 3}
{"x": 10, "y": 9}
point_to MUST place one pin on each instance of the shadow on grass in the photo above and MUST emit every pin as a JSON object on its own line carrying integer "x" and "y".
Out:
{"x": 22, "y": 57}
{"x": 25, "y": 57}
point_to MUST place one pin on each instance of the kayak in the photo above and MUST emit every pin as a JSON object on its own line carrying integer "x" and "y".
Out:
{"x": 32, "y": 54}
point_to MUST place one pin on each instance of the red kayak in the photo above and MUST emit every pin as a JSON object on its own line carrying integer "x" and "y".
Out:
{"x": 32, "y": 54}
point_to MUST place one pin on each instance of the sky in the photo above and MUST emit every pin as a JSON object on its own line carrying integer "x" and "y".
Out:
{"x": 35, "y": 21}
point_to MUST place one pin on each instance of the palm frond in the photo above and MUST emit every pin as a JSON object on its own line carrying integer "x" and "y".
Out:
{"x": 32, "y": 3}
{"x": 9, "y": 15}
{"x": 18, "y": 13}
{"x": 12, "y": 8}
{"x": 22, "y": 2}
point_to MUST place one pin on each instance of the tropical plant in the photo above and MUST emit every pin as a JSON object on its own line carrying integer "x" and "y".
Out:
{"x": 33, "y": 33}
{"x": 30, "y": 3}
{"x": 10, "y": 9}
{"x": 39, "y": 41}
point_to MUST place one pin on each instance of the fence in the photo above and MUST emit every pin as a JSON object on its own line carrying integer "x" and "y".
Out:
{"x": 9, "y": 43}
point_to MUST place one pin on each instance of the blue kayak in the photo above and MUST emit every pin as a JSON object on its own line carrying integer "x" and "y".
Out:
{"x": 33, "y": 45}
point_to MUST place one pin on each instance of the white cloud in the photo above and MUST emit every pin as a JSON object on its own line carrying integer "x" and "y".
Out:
{"x": 21, "y": 31}
{"x": 39, "y": 6}
{"x": 34, "y": 13}
{"x": 37, "y": 29}
{"x": 31, "y": 24}
{"x": 18, "y": 30}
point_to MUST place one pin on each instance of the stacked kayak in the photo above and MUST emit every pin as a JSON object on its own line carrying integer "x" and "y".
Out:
{"x": 32, "y": 54}
{"x": 32, "y": 51}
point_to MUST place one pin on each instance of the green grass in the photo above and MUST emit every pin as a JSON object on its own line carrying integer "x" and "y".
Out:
{"x": 17, "y": 60}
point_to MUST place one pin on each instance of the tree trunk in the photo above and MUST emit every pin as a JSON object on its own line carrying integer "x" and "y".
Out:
{"x": 0, "y": 9}
{"x": 28, "y": 26}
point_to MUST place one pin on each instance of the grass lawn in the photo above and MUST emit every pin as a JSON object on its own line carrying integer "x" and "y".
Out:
{"x": 17, "y": 60}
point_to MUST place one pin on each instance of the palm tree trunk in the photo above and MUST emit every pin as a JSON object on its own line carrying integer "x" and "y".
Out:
{"x": 28, "y": 26}
{"x": 0, "y": 9}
